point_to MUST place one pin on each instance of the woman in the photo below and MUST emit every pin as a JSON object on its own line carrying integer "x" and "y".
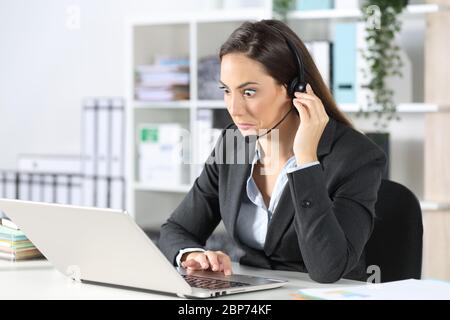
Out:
{"x": 306, "y": 204}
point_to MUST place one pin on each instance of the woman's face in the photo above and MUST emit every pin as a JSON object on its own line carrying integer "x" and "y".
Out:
{"x": 253, "y": 98}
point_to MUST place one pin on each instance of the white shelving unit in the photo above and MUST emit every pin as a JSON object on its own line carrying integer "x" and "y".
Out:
{"x": 197, "y": 35}
{"x": 194, "y": 35}
{"x": 354, "y": 14}
{"x": 180, "y": 188}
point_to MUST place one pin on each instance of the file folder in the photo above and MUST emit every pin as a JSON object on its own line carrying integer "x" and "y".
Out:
{"x": 62, "y": 192}
{"x": 118, "y": 139}
{"x": 25, "y": 186}
{"x": 103, "y": 149}
{"x": 344, "y": 64}
{"x": 320, "y": 51}
{"x": 89, "y": 133}
{"x": 102, "y": 192}
{"x": 103, "y": 138}
{"x": 117, "y": 193}
{"x": 314, "y": 4}
{"x": 48, "y": 195}
{"x": 74, "y": 189}
{"x": 10, "y": 185}
{"x": 89, "y": 193}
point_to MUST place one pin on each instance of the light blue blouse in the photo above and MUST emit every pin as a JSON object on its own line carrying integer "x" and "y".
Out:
{"x": 254, "y": 217}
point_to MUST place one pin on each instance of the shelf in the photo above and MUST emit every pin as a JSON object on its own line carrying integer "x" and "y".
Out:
{"x": 324, "y": 14}
{"x": 425, "y": 205}
{"x": 403, "y": 108}
{"x": 211, "y": 104}
{"x": 220, "y": 104}
{"x": 179, "y": 188}
{"x": 434, "y": 206}
{"x": 231, "y": 15}
{"x": 201, "y": 33}
{"x": 185, "y": 104}
{"x": 356, "y": 13}
{"x": 200, "y": 17}
{"x": 182, "y": 104}
{"x": 350, "y": 108}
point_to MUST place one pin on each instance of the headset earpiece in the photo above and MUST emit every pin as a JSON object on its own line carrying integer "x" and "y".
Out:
{"x": 296, "y": 86}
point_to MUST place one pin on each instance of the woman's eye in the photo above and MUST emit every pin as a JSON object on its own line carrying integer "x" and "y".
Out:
{"x": 224, "y": 89}
{"x": 249, "y": 92}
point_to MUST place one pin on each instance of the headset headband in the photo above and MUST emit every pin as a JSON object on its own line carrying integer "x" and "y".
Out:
{"x": 299, "y": 80}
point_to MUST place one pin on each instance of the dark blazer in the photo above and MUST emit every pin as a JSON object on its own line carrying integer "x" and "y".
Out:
{"x": 322, "y": 222}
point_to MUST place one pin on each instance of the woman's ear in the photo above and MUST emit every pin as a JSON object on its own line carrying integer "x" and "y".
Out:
{"x": 285, "y": 93}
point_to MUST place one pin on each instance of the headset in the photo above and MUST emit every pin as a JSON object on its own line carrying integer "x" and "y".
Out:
{"x": 298, "y": 84}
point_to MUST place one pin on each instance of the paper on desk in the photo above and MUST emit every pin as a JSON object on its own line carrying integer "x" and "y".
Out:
{"x": 398, "y": 290}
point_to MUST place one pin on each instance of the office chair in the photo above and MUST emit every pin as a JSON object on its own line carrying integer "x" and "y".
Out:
{"x": 396, "y": 242}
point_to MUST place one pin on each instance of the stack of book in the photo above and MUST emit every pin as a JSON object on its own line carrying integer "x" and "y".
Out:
{"x": 14, "y": 245}
{"x": 165, "y": 80}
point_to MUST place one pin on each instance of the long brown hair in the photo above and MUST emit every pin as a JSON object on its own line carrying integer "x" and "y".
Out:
{"x": 261, "y": 42}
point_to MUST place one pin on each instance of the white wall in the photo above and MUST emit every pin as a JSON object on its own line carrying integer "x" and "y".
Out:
{"x": 47, "y": 68}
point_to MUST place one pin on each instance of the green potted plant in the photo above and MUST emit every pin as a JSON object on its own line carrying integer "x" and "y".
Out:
{"x": 382, "y": 24}
{"x": 281, "y": 8}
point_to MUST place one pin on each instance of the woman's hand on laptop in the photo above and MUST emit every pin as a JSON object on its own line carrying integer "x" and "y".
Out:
{"x": 209, "y": 260}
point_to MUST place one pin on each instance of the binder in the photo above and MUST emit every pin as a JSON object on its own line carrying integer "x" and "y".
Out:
{"x": 48, "y": 189}
{"x": 116, "y": 157}
{"x": 25, "y": 186}
{"x": 344, "y": 64}
{"x": 75, "y": 191}
{"x": 2, "y": 185}
{"x": 103, "y": 138}
{"x": 89, "y": 193}
{"x": 102, "y": 192}
{"x": 89, "y": 131}
{"x": 321, "y": 54}
{"x": 103, "y": 149}
{"x": 37, "y": 187}
{"x": 62, "y": 192}
{"x": 314, "y": 4}
{"x": 117, "y": 193}
{"x": 9, "y": 185}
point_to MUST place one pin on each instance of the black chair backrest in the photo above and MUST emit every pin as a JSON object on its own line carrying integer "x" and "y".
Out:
{"x": 396, "y": 242}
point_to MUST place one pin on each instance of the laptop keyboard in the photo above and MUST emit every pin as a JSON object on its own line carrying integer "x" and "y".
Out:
{"x": 211, "y": 284}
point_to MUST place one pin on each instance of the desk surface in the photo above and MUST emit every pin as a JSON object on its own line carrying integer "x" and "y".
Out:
{"x": 39, "y": 280}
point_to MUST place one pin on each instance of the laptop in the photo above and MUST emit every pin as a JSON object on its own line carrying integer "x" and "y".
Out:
{"x": 107, "y": 247}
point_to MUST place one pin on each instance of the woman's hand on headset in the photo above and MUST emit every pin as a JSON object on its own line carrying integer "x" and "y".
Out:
{"x": 313, "y": 120}
{"x": 209, "y": 260}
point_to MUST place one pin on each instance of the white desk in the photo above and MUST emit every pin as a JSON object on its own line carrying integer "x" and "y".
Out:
{"x": 39, "y": 280}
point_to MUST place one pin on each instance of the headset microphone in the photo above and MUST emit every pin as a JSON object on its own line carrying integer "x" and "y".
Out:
{"x": 282, "y": 119}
